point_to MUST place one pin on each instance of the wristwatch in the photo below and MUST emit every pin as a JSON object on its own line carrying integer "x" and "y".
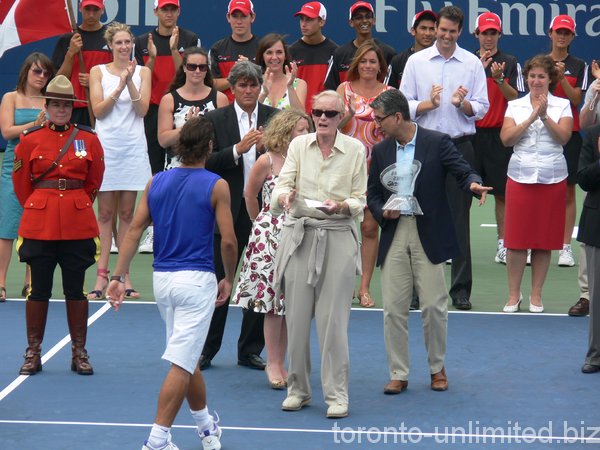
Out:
{"x": 500, "y": 80}
{"x": 544, "y": 118}
{"x": 119, "y": 278}
{"x": 460, "y": 105}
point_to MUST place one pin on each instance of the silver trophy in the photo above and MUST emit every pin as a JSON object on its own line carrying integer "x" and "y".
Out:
{"x": 400, "y": 179}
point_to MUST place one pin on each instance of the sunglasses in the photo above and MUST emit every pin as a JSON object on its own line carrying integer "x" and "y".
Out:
{"x": 42, "y": 72}
{"x": 328, "y": 113}
{"x": 193, "y": 67}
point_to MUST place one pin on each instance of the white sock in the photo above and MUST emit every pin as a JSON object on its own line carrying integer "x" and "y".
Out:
{"x": 566, "y": 246}
{"x": 151, "y": 230}
{"x": 202, "y": 419}
{"x": 500, "y": 242}
{"x": 159, "y": 436}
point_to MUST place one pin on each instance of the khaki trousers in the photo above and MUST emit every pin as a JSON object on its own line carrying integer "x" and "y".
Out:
{"x": 329, "y": 302}
{"x": 406, "y": 265}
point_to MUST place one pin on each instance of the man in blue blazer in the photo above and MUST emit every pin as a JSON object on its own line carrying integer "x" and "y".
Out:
{"x": 238, "y": 130}
{"x": 588, "y": 178}
{"x": 413, "y": 247}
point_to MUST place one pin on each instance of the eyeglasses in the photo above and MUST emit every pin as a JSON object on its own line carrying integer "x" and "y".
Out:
{"x": 42, "y": 72}
{"x": 378, "y": 120}
{"x": 328, "y": 113}
{"x": 193, "y": 67}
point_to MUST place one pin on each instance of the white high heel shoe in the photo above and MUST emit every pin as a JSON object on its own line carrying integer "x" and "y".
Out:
{"x": 513, "y": 308}
{"x": 535, "y": 308}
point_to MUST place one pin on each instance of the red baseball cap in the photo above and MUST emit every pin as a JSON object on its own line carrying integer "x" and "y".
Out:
{"x": 313, "y": 10}
{"x": 488, "y": 21}
{"x": 98, "y": 3}
{"x": 563, "y": 22}
{"x": 162, "y": 3}
{"x": 244, "y": 6}
{"x": 423, "y": 15}
{"x": 360, "y": 4}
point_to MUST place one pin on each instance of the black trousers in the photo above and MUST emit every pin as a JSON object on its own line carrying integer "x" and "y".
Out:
{"x": 156, "y": 154}
{"x": 252, "y": 338}
{"x": 73, "y": 257}
{"x": 460, "y": 206}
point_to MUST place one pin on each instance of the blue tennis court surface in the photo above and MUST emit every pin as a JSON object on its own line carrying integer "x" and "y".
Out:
{"x": 514, "y": 381}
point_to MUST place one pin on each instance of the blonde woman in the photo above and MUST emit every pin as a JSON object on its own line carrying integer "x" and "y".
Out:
{"x": 255, "y": 286}
{"x": 120, "y": 95}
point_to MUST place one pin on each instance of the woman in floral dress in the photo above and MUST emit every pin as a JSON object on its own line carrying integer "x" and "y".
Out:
{"x": 254, "y": 288}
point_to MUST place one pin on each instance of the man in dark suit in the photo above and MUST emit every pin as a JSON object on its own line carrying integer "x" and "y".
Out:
{"x": 588, "y": 178}
{"x": 413, "y": 247}
{"x": 238, "y": 130}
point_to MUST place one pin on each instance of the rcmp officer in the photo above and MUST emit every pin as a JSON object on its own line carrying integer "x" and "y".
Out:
{"x": 57, "y": 172}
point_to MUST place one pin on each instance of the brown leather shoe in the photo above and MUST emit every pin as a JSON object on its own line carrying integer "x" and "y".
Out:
{"x": 581, "y": 308}
{"x": 395, "y": 387}
{"x": 439, "y": 382}
{"x": 80, "y": 362}
{"x": 33, "y": 362}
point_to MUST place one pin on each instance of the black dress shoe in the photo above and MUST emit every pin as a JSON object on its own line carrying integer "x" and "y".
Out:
{"x": 590, "y": 368}
{"x": 204, "y": 362}
{"x": 414, "y": 304}
{"x": 461, "y": 303}
{"x": 252, "y": 361}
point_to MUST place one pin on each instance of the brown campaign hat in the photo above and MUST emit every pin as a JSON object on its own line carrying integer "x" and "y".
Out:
{"x": 60, "y": 88}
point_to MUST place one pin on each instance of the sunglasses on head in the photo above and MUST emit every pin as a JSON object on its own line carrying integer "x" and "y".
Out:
{"x": 39, "y": 71}
{"x": 192, "y": 67}
{"x": 328, "y": 113}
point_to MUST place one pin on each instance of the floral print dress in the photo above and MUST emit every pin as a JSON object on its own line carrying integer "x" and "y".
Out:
{"x": 254, "y": 289}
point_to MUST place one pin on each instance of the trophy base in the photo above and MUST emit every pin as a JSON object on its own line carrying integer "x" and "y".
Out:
{"x": 406, "y": 204}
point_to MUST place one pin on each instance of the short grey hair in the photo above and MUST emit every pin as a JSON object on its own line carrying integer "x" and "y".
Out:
{"x": 246, "y": 70}
{"x": 392, "y": 101}
{"x": 333, "y": 94}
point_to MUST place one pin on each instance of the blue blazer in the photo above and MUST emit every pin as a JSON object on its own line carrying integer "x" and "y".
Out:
{"x": 438, "y": 156}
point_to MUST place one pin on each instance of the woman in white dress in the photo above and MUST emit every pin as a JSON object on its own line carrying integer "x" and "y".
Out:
{"x": 120, "y": 95}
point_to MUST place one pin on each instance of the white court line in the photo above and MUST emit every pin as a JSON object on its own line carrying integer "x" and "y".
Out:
{"x": 50, "y": 353}
{"x": 493, "y": 225}
{"x": 372, "y": 432}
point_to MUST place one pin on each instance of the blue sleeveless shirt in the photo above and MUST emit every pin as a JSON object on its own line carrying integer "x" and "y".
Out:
{"x": 184, "y": 220}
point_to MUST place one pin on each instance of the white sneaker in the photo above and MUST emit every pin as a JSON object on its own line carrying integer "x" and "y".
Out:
{"x": 211, "y": 437}
{"x": 113, "y": 246}
{"x": 565, "y": 256}
{"x": 529, "y": 257}
{"x": 147, "y": 245}
{"x": 500, "y": 254}
{"x": 168, "y": 446}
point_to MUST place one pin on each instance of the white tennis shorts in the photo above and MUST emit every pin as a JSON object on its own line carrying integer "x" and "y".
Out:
{"x": 186, "y": 301}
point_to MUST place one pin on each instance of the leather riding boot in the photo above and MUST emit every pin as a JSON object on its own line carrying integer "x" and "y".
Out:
{"x": 36, "y": 313}
{"x": 77, "y": 316}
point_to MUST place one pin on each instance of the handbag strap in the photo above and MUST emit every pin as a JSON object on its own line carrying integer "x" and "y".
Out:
{"x": 62, "y": 153}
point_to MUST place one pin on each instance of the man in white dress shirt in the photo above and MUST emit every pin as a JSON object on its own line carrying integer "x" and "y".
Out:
{"x": 446, "y": 90}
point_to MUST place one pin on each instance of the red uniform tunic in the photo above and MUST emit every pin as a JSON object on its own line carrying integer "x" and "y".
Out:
{"x": 53, "y": 214}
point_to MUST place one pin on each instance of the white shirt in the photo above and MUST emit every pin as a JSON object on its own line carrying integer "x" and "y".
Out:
{"x": 244, "y": 126}
{"x": 428, "y": 67}
{"x": 537, "y": 157}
